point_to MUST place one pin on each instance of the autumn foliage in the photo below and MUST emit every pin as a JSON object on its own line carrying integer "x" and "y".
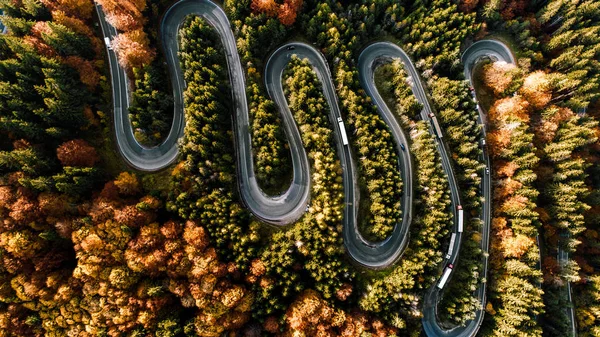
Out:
{"x": 120, "y": 279}
{"x": 127, "y": 184}
{"x": 499, "y": 76}
{"x": 269, "y": 7}
{"x": 512, "y": 8}
{"x": 131, "y": 45}
{"x": 510, "y": 107}
{"x": 133, "y": 49}
{"x": 81, "y": 9}
{"x": 195, "y": 273}
{"x": 77, "y": 152}
{"x": 33, "y": 267}
{"x": 75, "y": 16}
{"x": 468, "y": 5}
{"x": 512, "y": 245}
{"x": 536, "y": 89}
{"x": 309, "y": 315}
{"x": 87, "y": 72}
{"x": 514, "y": 252}
{"x": 124, "y": 15}
{"x": 546, "y": 130}
{"x": 286, "y": 12}
{"x": 35, "y": 40}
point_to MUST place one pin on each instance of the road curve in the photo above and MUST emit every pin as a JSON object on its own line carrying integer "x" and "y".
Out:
{"x": 368, "y": 254}
{"x": 291, "y": 205}
{"x": 497, "y": 51}
{"x": 367, "y": 63}
{"x": 377, "y": 255}
{"x": 278, "y": 210}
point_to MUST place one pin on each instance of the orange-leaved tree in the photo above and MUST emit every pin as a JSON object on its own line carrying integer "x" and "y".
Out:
{"x": 77, "y": 152}
{"x": 133, "y": 49}
{"x": 124, "y": 15}
{"x": 81, "y": 9}
{"x": 286, "y": 12}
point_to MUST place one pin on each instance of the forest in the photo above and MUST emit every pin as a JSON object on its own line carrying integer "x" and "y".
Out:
{"x": 89, "y": 246}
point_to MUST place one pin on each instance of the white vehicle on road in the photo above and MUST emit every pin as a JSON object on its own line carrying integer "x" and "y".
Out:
{"x": 451, "y": 246}
{"x": 107, "y": 42}
{"x": 445, "y": 276}
{"x": 460, "y": 218}
{"x": 436, "y": 125}
{"x": 343, "y": 131}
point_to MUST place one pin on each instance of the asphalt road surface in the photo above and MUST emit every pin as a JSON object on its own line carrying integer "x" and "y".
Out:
{"x": 278, "y": 210}
{"x": 369, "y": 254}
{"x": 394, "y": 246}
{"x": 291, "y": 205}
{"x": 563, "y": 259}
{"x": 2, "y": 27}
{"x": 496, "y": 51}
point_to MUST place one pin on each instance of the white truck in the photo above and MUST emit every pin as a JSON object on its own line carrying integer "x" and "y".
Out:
{"x": 445, "y": 276}
{"x": 451, "y": 247}
{"x": 460, "y": 218}
{"x": 343, "y": 131}
{"x": 107, "y": 42}
{"x": 436, "y": 125}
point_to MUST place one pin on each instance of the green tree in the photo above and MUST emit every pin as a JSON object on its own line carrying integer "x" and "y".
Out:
{"x": 151, "y": 109}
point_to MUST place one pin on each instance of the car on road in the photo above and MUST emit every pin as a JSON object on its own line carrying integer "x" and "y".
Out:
{"x": 472, "y": 91}
{"x": 487, "y": 170}
{"x": 450, "y": 265}
{"x": 402, "y": 147}
{"x": 431, "y": 115}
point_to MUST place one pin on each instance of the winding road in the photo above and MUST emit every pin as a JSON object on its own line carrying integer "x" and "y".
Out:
{"x": 291, "y": 205}
{"x": 369, "y": 254}
{"x": 367, "y": 62}
{"x": 496, "y": 51}
{"x": 478, "y": 51}
{"x": 278, "y": 210}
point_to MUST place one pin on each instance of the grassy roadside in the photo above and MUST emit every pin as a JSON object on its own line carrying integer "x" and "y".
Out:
{"x": 485, "y": 98}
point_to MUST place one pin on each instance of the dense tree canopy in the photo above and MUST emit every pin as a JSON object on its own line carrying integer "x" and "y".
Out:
{"x": 151, "y": 109}
{"x": 309, "y": 255}
{"x": 90, "y": 248}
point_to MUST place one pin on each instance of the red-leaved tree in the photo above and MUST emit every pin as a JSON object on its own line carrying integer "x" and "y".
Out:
{"x": 77, "y": 152}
